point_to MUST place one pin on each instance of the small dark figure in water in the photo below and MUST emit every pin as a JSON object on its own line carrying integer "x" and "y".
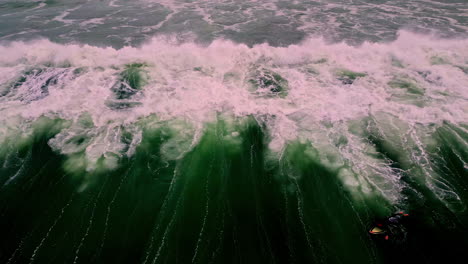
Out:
{"x": 391, "y": 228}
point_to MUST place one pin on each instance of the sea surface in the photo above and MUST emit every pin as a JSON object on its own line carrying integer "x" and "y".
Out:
{"x": 233, "y": 131}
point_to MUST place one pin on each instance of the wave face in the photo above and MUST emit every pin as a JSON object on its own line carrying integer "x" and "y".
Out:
{"x": 183, "y": 153}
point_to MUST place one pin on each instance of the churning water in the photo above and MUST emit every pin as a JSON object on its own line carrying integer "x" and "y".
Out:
{"x": 229, "y": 131}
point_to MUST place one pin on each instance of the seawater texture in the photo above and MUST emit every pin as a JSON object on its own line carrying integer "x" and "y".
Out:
{"x": 278, "y": 22}
{"x": 203, "y": 146}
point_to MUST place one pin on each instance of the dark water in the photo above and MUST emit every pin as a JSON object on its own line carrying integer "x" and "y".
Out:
{"x": 224, "y": 201}
{"x": 232, "y": 131}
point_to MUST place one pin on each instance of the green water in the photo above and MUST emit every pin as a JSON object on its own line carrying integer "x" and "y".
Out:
{"x": 227, "y": 200}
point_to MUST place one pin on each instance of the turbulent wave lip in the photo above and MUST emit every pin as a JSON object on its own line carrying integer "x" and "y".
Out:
{"x": 220, "y": 58}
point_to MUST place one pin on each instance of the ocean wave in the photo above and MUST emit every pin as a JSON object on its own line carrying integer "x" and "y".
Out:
{"x": 342, "y": 99}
